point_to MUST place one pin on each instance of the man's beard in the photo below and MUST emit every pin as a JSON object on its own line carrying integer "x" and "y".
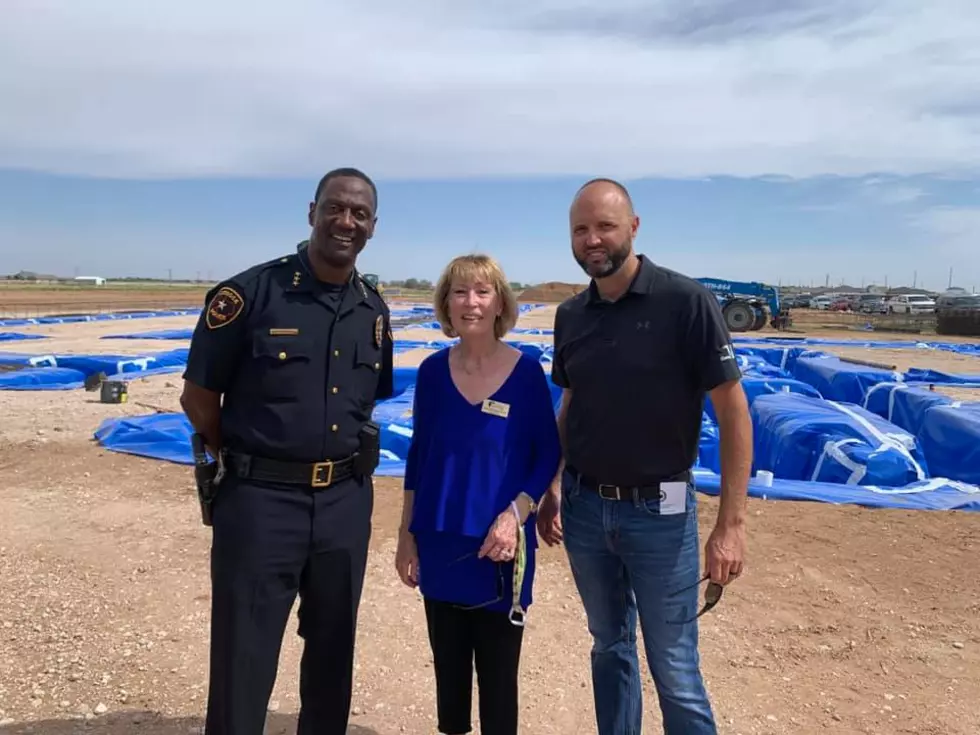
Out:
{"x": 614, "y": 261}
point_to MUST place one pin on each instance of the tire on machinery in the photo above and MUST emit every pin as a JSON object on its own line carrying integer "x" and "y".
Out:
{"x": 739, "y": 315}
{"x": 761, "y": 319}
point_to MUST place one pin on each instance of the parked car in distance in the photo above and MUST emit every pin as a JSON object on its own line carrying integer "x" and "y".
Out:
{"x": 821, "y": 302}
{"x": 911, "y": 304}
{"x": 870, "y": 303}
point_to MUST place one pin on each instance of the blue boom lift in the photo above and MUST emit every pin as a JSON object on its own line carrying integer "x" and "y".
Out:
{"x": 748, "y": 306}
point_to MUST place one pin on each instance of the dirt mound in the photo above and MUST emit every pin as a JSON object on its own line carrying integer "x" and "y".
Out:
{"x": 551, "y": 292}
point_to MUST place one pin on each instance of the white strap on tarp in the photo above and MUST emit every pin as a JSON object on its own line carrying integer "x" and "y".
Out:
{"x": 891, "y": 387}
{"x": 832, "y": 450}
{"x": 885, "y": 441}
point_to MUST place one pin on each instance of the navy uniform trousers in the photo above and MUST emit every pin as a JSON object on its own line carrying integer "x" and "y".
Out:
{"x": 270, "y": 543}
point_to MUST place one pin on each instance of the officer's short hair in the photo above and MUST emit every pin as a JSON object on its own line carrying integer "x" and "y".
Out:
{"x": 468, "y": 268}
{"x": 346, "y": 171}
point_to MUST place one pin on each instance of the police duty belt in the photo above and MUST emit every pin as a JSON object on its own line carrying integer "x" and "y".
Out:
{"x": 319, "y": 475}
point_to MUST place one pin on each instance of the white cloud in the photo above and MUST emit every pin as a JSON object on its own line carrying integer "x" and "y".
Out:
{"x": 433, "y": 88}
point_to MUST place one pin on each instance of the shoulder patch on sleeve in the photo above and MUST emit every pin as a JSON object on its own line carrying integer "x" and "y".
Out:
{"x": 224, "y": 307}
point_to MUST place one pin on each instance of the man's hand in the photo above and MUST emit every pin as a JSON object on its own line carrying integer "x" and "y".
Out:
{"x": 501, "y": 542}
{"x": 407, "y": 559}
{"x": 549, "y": 518}
{"x": 724, "y": 553}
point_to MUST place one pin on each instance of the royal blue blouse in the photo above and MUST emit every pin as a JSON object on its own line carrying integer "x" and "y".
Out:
{"x": 466, "y": 463}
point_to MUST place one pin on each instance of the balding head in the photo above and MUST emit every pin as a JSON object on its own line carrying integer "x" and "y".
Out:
{"x": 605, "y": 189}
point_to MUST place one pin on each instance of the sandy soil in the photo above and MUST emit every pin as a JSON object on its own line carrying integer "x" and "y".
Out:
{"x": 847, "y": 620}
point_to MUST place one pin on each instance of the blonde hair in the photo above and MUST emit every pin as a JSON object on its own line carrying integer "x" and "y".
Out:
{"x": 469, "y": 268}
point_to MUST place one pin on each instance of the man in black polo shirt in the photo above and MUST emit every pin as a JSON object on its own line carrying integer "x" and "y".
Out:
{"x": 636, "y": 354}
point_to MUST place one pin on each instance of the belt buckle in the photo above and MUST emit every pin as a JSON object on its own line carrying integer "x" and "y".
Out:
{"x": 616, "y": 493}
{"x": 318, "y": 469}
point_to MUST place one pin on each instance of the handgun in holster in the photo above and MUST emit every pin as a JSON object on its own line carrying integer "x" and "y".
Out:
{"x": 369, "y": 450}
{"x": 205, "y": 477}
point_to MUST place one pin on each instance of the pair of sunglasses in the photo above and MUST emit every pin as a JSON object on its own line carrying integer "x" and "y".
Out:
{"x": 712, "y": 596}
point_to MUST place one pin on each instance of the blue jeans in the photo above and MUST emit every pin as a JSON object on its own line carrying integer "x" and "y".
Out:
{"x": 627, "y": 561}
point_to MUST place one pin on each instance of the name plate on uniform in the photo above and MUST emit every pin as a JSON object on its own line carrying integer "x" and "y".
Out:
{"x": 496, "y": 408}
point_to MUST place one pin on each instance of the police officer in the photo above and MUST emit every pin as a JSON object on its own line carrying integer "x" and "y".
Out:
{"x": 636, "y": 354}
{"x": 285, "y": 365}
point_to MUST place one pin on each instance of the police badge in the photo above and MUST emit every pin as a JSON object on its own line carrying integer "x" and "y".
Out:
{"x": 378, "y": 330}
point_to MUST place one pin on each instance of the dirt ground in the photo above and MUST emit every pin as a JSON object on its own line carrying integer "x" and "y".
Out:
{"x": 846, "y": 621}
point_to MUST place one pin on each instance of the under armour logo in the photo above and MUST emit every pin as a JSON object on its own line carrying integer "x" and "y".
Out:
{"x": 727, "y": 353}
{"x": 642, "y": 325}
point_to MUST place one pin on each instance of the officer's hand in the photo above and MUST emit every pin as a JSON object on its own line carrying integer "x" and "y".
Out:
{"x": 549, "y": 518}
{"x": 501, "y": 541}
{"x": 407, "y": 559}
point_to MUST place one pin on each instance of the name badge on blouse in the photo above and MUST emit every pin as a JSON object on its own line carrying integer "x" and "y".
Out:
{"x": 496, "y": 408}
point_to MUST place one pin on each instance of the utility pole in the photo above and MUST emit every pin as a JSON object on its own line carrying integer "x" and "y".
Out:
{"x": 950, "y": 284}
{"x": 915, "y": 278}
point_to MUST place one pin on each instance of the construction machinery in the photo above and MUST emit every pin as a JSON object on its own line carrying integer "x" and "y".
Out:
{"x": 748, "y": 306}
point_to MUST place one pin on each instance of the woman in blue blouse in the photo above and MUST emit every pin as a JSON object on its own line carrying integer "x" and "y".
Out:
{"x": 484, "y": 449}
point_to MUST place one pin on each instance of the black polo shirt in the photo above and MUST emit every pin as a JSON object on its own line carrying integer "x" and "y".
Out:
{"x": 300, "y": 363}
{"x": 639, "y": 369}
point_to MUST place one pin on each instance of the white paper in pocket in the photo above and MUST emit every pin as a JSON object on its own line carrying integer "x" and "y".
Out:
{"x": 673, "y": 498}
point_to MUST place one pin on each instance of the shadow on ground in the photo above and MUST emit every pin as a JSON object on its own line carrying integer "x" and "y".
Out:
{"x": 149, "y": 723}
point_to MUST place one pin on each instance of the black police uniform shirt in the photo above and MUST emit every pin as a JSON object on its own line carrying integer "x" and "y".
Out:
{"x": 300, "y": 363}
{"x": 639, "y": 369}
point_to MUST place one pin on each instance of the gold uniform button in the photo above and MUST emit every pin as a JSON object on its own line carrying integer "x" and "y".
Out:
{"x": 336, "y": 353}
{"x": 282, "y": 355}
{"x": 334, "y": 389}
{"x": 377, "y": 365}
{"x": 333, "y": 428}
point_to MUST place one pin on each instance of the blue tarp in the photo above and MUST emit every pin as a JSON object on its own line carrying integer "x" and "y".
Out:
{"x": 838, "y": 380}
{"x": 14, "y": 336}
{"x": 948, "y": 430}
{"x": 68, "y": 372}
{"x": 784, "y": 381}
{"x": 928, "y": 375}
{"x": 167, "y": 437}
{"x": 950, "y": 437}
{"x": 800, "y": 437}
{"x": 111, "y": 316}
{"x": 157, "y": 334}
{"x": 963, "y": 348}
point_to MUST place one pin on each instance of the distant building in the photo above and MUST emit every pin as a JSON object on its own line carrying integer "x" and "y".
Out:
{"x": 95, "y": 280}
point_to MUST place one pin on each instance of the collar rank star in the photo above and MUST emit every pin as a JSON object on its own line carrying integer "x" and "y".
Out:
{"x": 496, "y": 408}
{"x": 224, "y": 308}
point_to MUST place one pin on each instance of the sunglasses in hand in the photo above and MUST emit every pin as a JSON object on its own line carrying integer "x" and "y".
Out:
{"x": 712, "y": 596}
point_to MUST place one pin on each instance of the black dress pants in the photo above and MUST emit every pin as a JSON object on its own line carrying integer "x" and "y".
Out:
{"x": 270, "y": 544}
{"x": 461, "y": 638}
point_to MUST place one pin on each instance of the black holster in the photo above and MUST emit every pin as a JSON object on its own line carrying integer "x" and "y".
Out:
{"x": 369, "y": 450}
{"x": 205, "y": 477}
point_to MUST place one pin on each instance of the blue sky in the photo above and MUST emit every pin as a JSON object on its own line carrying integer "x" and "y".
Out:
{"x": 785, "y": 140}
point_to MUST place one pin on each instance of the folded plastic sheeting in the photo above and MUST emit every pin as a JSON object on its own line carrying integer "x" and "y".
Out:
{"x": 799, "y": 437}
{"x": 709, "y": 445}
{"x": 838, "y": 380}
{"x": 17, "y": 336}
{"x": 903, "y": 405}
{"x": 755, "y": 387}
{"x": 950, "y": 438}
